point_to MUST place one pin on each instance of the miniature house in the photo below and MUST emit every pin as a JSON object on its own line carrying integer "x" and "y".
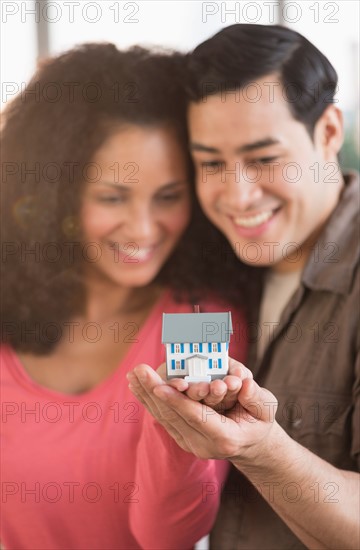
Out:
{"x": 197, "y": 345}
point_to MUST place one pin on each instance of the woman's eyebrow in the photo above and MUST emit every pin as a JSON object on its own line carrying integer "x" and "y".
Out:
{"x": 126, "y": 188}
{"x": 173, "y": 184}
{"x": 117, "y": 186}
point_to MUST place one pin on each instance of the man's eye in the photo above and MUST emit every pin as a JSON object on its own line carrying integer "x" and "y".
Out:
{"x": 266, "y": 160}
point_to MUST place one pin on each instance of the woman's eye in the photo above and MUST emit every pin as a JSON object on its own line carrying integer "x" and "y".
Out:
{"x": 111, "y": 199}
{"x": 169, "y": 198}
{"x": 212, "y": 164}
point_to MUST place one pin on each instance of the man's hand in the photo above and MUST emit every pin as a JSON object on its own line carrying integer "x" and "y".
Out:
{"x": 248, "y": 435}
{"x": 239, "y": 432}
{"x": 220, "y": 394}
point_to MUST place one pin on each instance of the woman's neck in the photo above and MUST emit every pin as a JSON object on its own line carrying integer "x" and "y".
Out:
{"x": 106, "y": 300}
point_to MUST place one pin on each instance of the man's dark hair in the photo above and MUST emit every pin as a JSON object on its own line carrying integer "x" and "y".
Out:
{"x": 243, "y": 53}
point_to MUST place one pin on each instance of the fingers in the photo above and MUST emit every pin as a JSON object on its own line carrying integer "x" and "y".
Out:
{"x": 220, "y": 394}
{"x": 211, "y": 394}
{"x": 259, "y": 402}
{"x": 238, "y": 369}
{"x": 190, "y": 413}
{"x": 144, "y": 373}
{"x": 198, "y": 426}
{"x": 217, "y": 393}
{"x": 179, "y": 384}
{"x": 161, "y": 371}
{"x": 197, "y": 391}
{"x": 233, "y": 386}
{"x": 143, "y": 381}
{"x": 143, "y": 391}
{"x": 234, "y": 380}
{"x": 170, "y": 418}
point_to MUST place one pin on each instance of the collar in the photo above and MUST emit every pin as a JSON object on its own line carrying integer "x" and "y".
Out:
{"x": 333, "y": 260}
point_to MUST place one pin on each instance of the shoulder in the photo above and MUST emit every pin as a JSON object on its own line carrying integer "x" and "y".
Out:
{"x": 6, "y": 354}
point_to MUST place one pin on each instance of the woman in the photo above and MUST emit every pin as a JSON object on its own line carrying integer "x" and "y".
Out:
{"x": 97, "y": 200}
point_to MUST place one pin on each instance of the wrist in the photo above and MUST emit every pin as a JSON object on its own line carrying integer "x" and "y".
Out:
{"x": 264, "y": 454}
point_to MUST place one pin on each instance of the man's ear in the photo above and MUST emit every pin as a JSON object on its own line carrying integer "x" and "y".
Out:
{"x": 329, "y": 132}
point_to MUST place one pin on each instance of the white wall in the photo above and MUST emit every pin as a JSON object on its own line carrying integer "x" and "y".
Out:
{"x": 334, "y": 28}
{"x": 181, "y": 24}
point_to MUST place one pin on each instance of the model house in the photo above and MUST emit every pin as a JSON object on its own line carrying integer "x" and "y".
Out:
{"x": 197, "y": 345}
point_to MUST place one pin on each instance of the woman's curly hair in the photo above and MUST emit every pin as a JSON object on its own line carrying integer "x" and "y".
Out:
{"x": 50, "y": 133}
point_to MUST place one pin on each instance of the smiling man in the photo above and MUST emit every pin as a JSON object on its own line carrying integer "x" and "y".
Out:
{"x": 265, "y": 135}
{"x": 255, "y": 166}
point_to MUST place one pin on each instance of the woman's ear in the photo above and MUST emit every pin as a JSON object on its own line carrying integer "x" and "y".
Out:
{"x": 329, "y": 133}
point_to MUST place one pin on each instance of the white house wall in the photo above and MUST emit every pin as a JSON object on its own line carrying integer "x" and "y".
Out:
{"x": 214, "y": 355}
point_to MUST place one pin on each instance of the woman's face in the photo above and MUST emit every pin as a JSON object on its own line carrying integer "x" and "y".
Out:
{"x": 136, "y": 204}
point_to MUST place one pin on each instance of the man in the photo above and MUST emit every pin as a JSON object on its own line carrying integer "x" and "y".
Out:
{"x": 265, "y": 134}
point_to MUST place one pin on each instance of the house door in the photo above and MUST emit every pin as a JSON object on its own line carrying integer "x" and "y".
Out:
{"x": 197, "y": 366}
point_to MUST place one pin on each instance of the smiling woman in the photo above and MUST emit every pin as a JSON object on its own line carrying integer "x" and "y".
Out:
{"x": 96, "y": 206}
{"x": 138, "y": 221}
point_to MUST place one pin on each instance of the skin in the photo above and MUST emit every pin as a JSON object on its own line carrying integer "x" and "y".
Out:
{"x": 267, "y": 148}
{"x": 149, "y": 209}
{"x": 133, "y": 212}
{"x": 248, "y": 435}
{"x": 249, "y": 138}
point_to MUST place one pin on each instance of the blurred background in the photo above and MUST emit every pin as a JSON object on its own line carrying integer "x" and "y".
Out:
{"x": 35, "y": 29}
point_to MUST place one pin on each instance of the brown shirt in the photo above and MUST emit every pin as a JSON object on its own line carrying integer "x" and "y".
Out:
{"x": 312, "y": 366}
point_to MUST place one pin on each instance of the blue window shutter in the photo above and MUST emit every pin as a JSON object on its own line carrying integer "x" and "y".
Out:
{"x": 191, "y": 348}
{"x": 210, "y": 363}
{"x": 182, "y": 348}
{"x": 182, "y": 363}
{"x": 200, "y": 347}
{"x": 219, "y": 346}
{"x": 172, "y": 348}
{"x": 219, "y": 363}
{"x": 173, "y": 364}
{"x": 209, "y": 346}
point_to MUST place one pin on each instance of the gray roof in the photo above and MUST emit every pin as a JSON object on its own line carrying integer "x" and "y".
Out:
{"x": 196, "y": 327}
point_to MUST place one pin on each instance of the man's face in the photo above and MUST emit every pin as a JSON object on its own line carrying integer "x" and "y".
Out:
{"x": 260, "y": 178}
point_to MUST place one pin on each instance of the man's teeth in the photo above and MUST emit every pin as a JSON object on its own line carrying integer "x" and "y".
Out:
{"x": 253, "y": 221}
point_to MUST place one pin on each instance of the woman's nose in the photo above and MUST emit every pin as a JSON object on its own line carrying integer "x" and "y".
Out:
{"x": 141, "y": 225}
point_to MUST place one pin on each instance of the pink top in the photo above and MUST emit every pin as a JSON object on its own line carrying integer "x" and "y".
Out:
{"x": 95, "y": 471}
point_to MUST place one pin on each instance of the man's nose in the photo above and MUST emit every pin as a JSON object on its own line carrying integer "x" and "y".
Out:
{"x": 240, "y": 191}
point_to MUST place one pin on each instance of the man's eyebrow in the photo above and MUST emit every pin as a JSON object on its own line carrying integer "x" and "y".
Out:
{"x": 194, "y": 146}
{"x": 257, "y": 145}
{"x": 204, "y": 148}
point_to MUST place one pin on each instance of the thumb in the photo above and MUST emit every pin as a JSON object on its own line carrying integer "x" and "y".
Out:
{"x": 259, "y": 402}
{"x": 161, "y": 371}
